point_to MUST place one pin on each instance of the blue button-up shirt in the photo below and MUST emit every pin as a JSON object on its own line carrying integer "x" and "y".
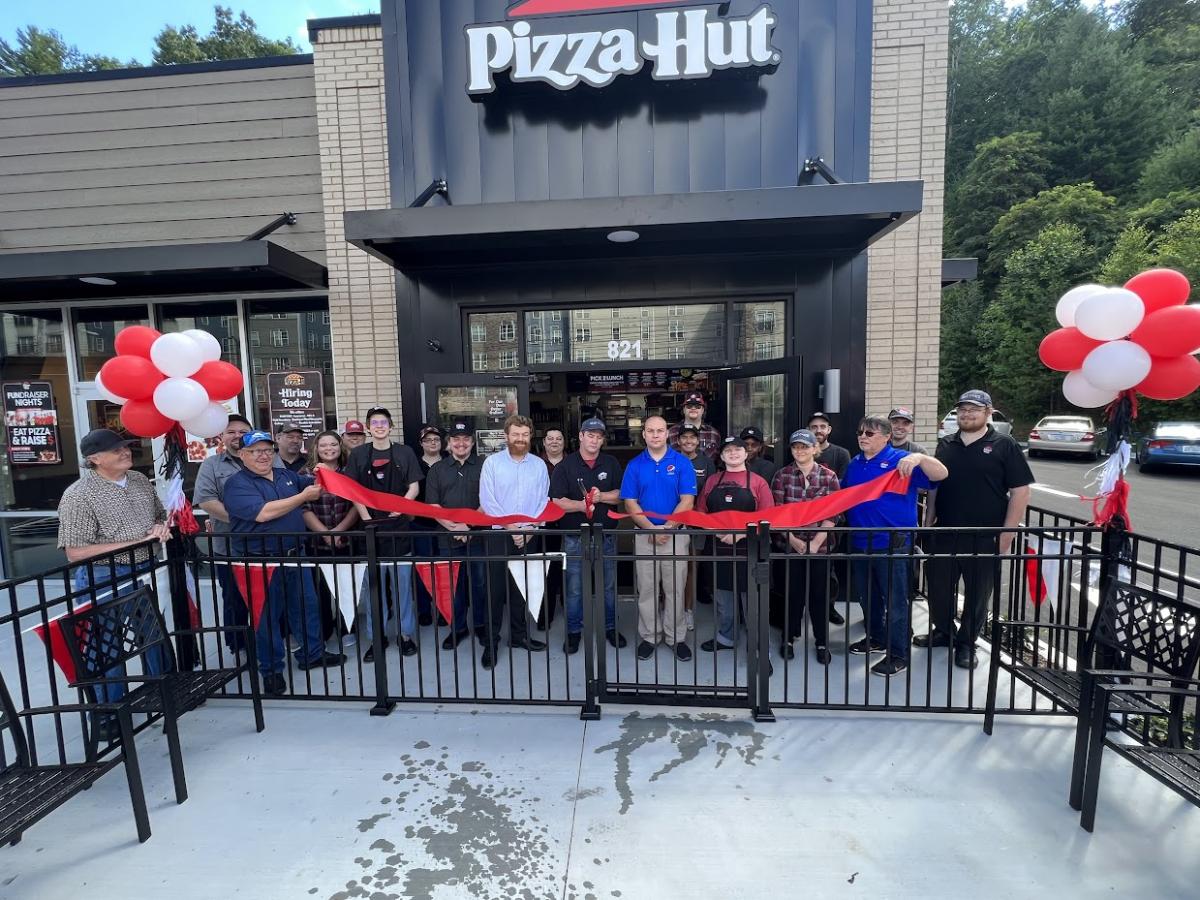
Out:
{"x": 513, "y": 487}
{"x": 245, "y": 496}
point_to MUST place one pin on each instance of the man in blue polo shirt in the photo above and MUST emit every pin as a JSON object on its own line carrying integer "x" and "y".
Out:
{"x": 660, "y": 480}
{"x": 261, "y": 501}
{"x": 879, "y": 572}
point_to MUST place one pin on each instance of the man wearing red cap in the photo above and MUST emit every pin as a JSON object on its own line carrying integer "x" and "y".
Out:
{"x": 693, "y": 413}
{"x": 354, "y": 434}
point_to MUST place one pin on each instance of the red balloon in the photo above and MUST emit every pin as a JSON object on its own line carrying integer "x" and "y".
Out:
{"x": 1160, "y": 288}
{"x": 222, "y": 380}
{"x": 1169, "y": 332}
{"x": 142, "y": 418}
{"x": 136, "y": 340}
{"x": 1062, "y": 350}
{"x": 134, "y": 377}
{"x": 1170, "y": 379}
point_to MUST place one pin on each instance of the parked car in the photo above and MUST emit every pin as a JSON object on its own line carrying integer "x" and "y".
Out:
{"x": 1169, "y": 443}
{"x": 997, "y": 420}
{"x": 1067, "y": 434}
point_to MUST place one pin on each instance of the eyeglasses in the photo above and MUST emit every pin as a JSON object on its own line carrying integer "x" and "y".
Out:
{"x": 862, "y": 432}
{"x": 374, "y": 422}
{"x": 261, "y": 451}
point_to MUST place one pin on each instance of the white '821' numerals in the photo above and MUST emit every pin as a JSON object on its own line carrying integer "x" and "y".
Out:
{"x": 624, "y": 350}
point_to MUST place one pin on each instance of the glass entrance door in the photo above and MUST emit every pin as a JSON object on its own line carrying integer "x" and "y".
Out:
{"x": 764, "y": 394}
{"x": 483, "y": 400}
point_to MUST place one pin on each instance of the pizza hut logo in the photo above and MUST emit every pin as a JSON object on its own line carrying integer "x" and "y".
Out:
{"x": 987, "y": 448}
{"x": 687, "y": 39}
{"x": 294, "y": 380}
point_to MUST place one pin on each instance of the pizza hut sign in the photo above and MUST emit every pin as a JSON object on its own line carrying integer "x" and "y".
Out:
{"x": 682, "y": 44}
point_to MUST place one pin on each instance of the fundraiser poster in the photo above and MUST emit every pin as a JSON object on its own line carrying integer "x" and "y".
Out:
{"x": 31, "y": 421}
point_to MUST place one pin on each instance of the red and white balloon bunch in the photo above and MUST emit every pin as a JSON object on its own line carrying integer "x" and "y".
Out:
{"x": 1141, "y": 337}
{"x": 163, "y": 379}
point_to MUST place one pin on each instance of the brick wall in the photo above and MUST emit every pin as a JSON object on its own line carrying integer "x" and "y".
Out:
{"x": 908, "y": 141}
{"x": 348, "y": 66}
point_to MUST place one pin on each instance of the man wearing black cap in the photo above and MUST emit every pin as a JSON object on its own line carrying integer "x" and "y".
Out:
{"x": 432, "y": 452}
{"x": 757, "y": 460}
{"x": 902, "y": 427}
{"x": 831, "y": 456}
{"x": 699, "y": 577}
{"x": 988, "y": 486}
{"x": 454, "y": 484}
{"x": 290, "y": 441}
{"x": 586, "y": 485}
{"x": 693, "y": 414}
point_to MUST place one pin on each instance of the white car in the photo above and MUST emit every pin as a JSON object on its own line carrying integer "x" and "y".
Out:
{"x": 997, "y": 420}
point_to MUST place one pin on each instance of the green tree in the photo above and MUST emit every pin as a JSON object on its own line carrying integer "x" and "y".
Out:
{"x": 1179, "y": 247}
{"x": 1166, "y": 33}
{"x": 39, "y": 52}
{"x": 1132, "y": 253}
{"x": 980, "y": 36}
{"x": 1161, "y": 211}
{"x": 962, "y": 310}
{"x": 1175, "y": 167}
{"x": 230, "y": 38}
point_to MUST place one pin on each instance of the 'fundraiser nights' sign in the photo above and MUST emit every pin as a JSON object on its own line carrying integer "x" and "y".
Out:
{"x": 31, "y": 422}
{"x": 687, "y": 43}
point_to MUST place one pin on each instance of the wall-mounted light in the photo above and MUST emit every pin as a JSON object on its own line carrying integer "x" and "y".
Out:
{"x": 97, "y": 279}
{"x": 623, "y": 236}
{"x": 434, "y": 344}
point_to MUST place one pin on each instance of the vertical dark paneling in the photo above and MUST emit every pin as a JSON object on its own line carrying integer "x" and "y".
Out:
{"x": 463, "y": 121}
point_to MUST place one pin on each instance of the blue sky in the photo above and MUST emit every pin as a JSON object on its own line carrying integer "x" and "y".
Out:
{"x": 126, "y": 28}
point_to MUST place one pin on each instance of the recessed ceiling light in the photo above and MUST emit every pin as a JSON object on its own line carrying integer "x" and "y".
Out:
{"x": 623, "y": 236}
{"x": 96, "y": 279}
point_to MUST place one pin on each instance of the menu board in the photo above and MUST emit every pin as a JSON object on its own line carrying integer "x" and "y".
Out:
{"x": 297, "y": 398}
{"x": 31, "y": 421}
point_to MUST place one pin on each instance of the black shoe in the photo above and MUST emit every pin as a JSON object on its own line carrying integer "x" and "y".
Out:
{"x": 369, "y": 656}
{"x": 645, "y": 650}
{"x": 683, "y": 652}
{"x": 617, "y": 639}
{"x": 425, "y": 618}
{"x": 712, "y": 646}
{"x": 824, "y": 657}
{"x": 835, "y": 617}
{"x": 323, "y": 661}
{"x": 866, "y": 645}
{"x": 274, "y": 685}
{"x": 529, "y": 644}
{"x": 933, "y": 639}
{"x": 787, "y": 651}
{"x": 408, "y": 647}
{"x": 488, "y": 659}
{"x": 441, "y": 621}
{"x": 965, "y": 657}
{"x": 450, "y": 641}
{"x": 105, "y": 727}
{"x": 571, "y": 644}
{"x": 889, "y": 667}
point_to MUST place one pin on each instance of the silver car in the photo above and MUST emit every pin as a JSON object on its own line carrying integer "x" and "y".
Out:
{"x": 1067, "y": 434}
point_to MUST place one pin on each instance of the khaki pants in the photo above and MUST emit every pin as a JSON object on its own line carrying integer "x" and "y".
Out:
{"x": 671, "y": 572}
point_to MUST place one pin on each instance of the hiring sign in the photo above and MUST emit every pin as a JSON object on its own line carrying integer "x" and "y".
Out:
{"x": 296, "y": 398}
{"x": 31, "y": 422}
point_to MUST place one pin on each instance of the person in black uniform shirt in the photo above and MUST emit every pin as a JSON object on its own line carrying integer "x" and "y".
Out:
{"x": 432, "y": 452}
{"x": 837, "y": 459}
{"x": 699, "y": 578}
{"x": 988, "y": 485}
{"x": 391, "y": 469}
{"x": 758, "y": 458}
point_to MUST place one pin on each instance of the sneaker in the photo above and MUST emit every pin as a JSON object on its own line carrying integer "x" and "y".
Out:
{"x": 571, "y": 644}
{"x": 488, "y": 658}
{"x": 645, "y": 650}
{"x": 866, "y": 645}
{"x": 835, "y": 617}
{"x": 889, "y": 667}
{"x": 689, "y": 620}
{"x": 933, "y": 639}
{"x": 683, "y": 652}
{"x": 824, "y": 657}
{"x": 408, "y": 647}
{"x": 325, "y": 660}
{"x": 712, "y": 646}
{"x": 616, "y": 639}
{"x": 274, "y": 685}
{"x": 369, "y": 656}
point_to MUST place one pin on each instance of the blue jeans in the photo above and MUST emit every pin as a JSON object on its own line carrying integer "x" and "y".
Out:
{"x": 470, "y": 593}
{"x": 399, "y": 576}
{"x": 881, "y": 586}
{"x": 293, "y": 594}
{"x": 573, "y": 547}
{"x": 102, "y": 576}
{"x": 727, "y": 606}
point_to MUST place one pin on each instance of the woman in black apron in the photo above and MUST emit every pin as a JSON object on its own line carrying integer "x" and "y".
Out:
{"x": 735, "y": 489}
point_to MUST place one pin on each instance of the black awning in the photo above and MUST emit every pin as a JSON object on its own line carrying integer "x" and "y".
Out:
{"x": 956, "y": 271}
{"x": 824, "y": 219}
{"x": 158, "y": 271}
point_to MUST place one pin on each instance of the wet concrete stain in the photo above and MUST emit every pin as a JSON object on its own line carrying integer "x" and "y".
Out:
{"x": 689, "y": 734}
{"x": 576, "y": 794}
{"x": 370, "y": 822}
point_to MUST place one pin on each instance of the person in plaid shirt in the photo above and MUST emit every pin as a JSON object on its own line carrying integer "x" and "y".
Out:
{"x": 693, "y": 413}
{"x": 807, "y": 581}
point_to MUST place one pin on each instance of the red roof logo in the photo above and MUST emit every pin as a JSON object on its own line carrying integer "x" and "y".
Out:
{"x": 523, "y": 8}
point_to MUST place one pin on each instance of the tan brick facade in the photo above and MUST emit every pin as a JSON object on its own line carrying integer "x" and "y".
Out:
{"x": 908, "y": 141}
{"x": 351, "y": 118}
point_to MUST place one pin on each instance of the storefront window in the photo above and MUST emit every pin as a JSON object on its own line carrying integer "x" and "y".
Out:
{"x": 695, "y": 331}
{"x": 289, "y": 335}
{"x": 759, "y": 331}
{"x": 491, "y": 338}
{"x": 95, "y": 329}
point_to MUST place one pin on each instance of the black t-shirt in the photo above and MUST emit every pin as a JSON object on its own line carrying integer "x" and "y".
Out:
{"x": 762, "y": 466}
{"x": 565, "y": 482}
{"x": 836, "y": 458}
{"x": 390, "y": 471}
{"x": 704, "y": 467}
{"x": 420, "y": 522}
{"x": 981, "y": 475}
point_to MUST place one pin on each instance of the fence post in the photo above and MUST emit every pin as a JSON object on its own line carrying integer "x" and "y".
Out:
{"x": 591, "y": 575}
{"x": 383, "y": 706}
{"x": 185, "y": 644}
{"x": 758, "y": 624}
{"x": 1113, "y": 548}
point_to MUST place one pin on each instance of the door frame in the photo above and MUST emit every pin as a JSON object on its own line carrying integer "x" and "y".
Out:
{"x": 790, "y": 366}
{"x": 433, "y": 381}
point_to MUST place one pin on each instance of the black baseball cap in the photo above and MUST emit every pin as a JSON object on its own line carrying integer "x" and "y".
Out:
{"x": 732, "y": 441}
{"x": 379, "y": 411}
{"x": 287, "y": 427}
{"x": 820, "y": 415}
{"x": 427, "y": 430}
{"x": 750, "y": 432}
{"x": 102, "y": 440}
{"x": 689, "y": 428}
{"x": 460, "y": 427}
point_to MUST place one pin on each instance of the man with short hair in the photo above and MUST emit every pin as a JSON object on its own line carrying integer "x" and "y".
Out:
{"x": 693, "y": 413}
{"x": 586, "y": 485}
{"x": 660, "y": 480}
{"x": 831, "y": 456}
{"x": 880, "y": 569}
{"x": 354, "y": 434}
{"x": 454, "y": 483}
{"x": 902, "y": 428}
{"x": 290, "y": 441}
{"x": 758, "y": 460}
{"x": 699, "y": 578}
{"x": 390, "y": 469}
{"x": 988, "y": 486}
{"x": 266, "y": 517}
{"x": 513, "y": 481}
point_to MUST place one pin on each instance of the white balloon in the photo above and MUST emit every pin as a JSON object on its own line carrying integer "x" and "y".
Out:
{"x": 1117, "y": 365}
{"x": 107, "y": 394}
{"x": 1082, "y": 393}
{"x": 1110, "y": 315}
{"x": 210, "y": 347}
{"x": 1069, "y": 302}
{"x": 176, "y": 356}
{"x": 209, "y": 423}
{"x": 180, "y": 398}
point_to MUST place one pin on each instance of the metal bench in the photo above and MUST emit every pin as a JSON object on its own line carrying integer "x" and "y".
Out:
{"x": 109, "y": 635}
{"x": 29, "y": 791}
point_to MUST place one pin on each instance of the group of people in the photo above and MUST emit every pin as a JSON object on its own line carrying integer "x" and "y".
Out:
{"x": 261, "y": 499}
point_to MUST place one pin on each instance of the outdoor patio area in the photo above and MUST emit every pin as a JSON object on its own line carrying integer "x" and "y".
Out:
{"x": 460, "y": 801}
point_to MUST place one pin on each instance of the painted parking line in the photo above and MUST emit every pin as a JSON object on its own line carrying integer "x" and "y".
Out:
{"x": 1046, "y": 489}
